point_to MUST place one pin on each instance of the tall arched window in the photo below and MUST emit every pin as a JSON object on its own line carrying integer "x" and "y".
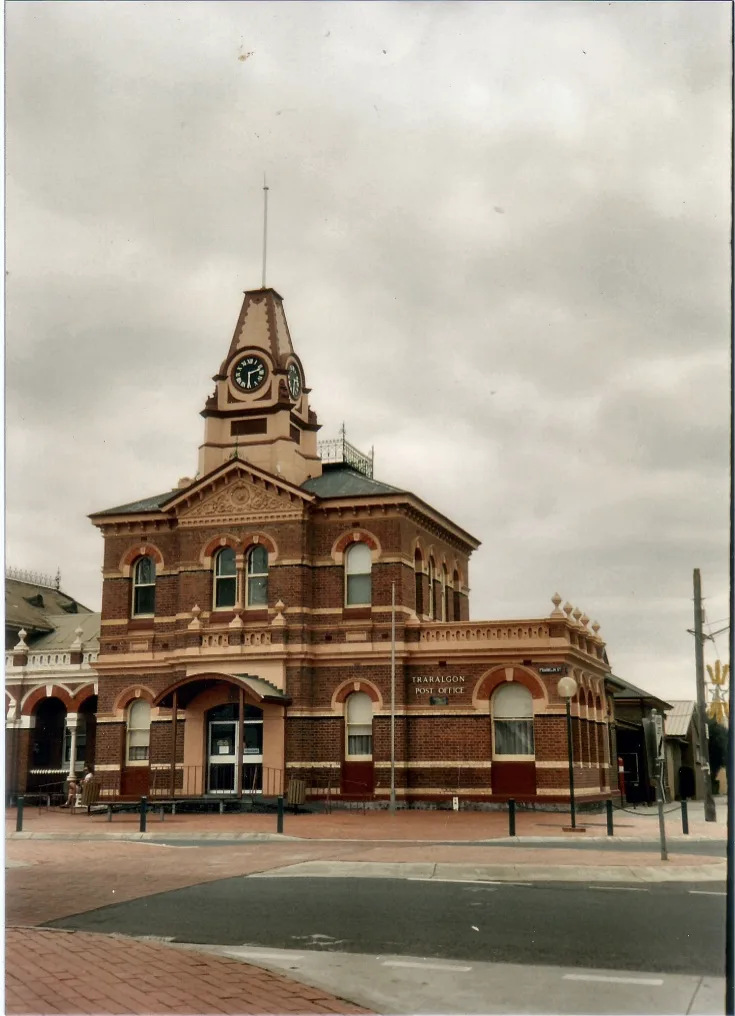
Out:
{"x": 225, "y": 579}
{"x": 432, "y": 590}
{"x": 445, "y": 594}
{"x": 139, "y": 731}
{"x": 512, "y": 710}
{"x": 144, "y": 587}
{"x": 456, "y": 612}
{"x": 418, "y": 568}
{"x": 358, "y": 580}
{"x": 257, "y": 575}
{"x": 359, "y": 719}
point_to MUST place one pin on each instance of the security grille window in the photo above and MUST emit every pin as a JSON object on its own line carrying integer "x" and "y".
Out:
{"x": 359, "y": 726}
{"x": 512, "y": 710}
{"x": 225, "y": 578}
{"x": 258, "y": 577}
{"x": 358, "y": 566}
{"x": 144, "y": 587}
{"x": 139, "y": 731}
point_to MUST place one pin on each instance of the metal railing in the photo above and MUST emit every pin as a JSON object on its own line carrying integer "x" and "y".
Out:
{"x": 196, "y": 781}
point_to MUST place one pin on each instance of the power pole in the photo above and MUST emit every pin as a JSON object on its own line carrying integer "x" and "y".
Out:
{"x": 710, "y": 814}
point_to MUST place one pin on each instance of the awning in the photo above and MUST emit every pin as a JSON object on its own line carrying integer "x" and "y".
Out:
{"x": 263, "y": 690}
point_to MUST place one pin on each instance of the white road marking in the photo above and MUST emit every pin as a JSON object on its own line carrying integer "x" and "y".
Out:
{"x": 423, "y": 966}
{"x": 613, "y": 980}
{"x": 256, "y": 955}
{"x": 619, "y": 888}
{"x": 705, "y": 892}
{"x": 455, "y": 881}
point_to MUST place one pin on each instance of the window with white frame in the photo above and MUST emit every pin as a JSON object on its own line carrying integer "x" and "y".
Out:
{"x": 257, "y": 577}
{"x": 359, "y": 720}
{"x": 139, "y": 731}
{"x": 225, "y": 579}
{"x": 358, "y": 577}
{"x": 144, "y": 587}
{"x": 512, "y": 712}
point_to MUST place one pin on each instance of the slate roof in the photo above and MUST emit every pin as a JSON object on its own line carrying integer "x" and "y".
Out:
{"x": 676, "y": 722}
{"x": 146, "y": 504}
{"x": 45, "y": 602}
{"x": 340, "y": 480}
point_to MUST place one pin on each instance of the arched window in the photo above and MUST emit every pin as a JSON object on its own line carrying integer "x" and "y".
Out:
{"x": 257, "y": 575}
{"x": 139, "y": 731}
{"x": 418, "y": 568}
{"x": 457, "y": 612}
{"x": 358, "y": 580}
{"x": 359, "y": 717}
{"x": 432, "y": 590}
{"x": 512, "y": 710}
{"x": 144, "y": 587}
{"x": 225, "y": 579}
{"x": 445, "y": 594}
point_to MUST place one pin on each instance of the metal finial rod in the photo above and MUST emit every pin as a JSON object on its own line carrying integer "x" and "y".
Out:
{"x": 265, "y": 225}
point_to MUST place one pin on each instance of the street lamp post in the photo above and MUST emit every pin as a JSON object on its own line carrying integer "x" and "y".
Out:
{"x": 567, "y": 689}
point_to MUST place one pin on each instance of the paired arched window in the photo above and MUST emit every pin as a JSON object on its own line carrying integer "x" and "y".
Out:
{"x": 359, "y": 722}
{"x": 257, "y": 577}
{"x": 139, "y": 731}
{"x": 358, "y": 578}
{"x": 455, "y": 596}
{"x": 144, "y": 587}
{"x": 446, "y": 593}
{"x": 418, "y": 568}
{"x": 432, "y": 589}
{"x": 225, "y": 579}
{"x": 512, "y": 712}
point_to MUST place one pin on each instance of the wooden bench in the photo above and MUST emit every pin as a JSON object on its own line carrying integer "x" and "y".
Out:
{"x": 89, "y": 795}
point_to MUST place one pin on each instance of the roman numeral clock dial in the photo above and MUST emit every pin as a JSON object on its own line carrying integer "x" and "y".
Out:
{"x": 250, "y": 373}
{"x": 294, "y": 381}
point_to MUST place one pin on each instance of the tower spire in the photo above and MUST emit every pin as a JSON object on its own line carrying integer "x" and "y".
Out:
{"x": 265, "y": 225}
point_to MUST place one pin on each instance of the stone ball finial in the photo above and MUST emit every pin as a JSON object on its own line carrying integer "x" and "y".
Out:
{"x": 576, "y": 614}
{"x": 556, "y": 600}
{"x": 585, "y": 620}
{"x": 196, "y": 610}
{"x": 21, "y": 643}
{"x": 595, "y": 627}
{"x": 568, "y": 608}
{"x": 280, "y": 606}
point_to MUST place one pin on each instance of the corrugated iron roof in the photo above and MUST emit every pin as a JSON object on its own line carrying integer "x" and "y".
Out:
{"x": 30, "y": 606}
{"x": 677, "y": 721}
{"x": 146, "y": 504}
{"x": 64, "y": 633}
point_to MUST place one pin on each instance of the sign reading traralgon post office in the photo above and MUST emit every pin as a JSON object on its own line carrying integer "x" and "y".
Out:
{"x": 441, "y": 685}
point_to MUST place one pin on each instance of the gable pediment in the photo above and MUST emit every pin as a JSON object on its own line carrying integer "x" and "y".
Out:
{"x": 240, "y": 496}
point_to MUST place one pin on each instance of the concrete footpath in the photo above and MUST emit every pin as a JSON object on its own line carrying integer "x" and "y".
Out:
{"x": 62, "y": 865}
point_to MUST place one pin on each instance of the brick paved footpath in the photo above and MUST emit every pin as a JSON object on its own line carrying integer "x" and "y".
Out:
{"x": 77, "y": 972}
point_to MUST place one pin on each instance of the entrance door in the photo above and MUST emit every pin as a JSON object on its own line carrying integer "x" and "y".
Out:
{"x": 222, "y": 746}
{"x": 252, "y": 752}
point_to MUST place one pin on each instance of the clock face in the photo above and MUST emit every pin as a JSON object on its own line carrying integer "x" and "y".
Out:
{"x": 294, "y": 381}
{"x": 250, "y": 373}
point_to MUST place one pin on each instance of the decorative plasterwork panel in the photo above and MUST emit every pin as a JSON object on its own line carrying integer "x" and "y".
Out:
{"x": 241, "y": 503}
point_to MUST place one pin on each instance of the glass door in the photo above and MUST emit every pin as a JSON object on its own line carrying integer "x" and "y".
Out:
{"x": 252, "y": 751}
{"x": 222, "y": 750}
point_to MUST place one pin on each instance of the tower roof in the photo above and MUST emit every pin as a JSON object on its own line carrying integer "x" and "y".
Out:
{"x": 262, "y": 325}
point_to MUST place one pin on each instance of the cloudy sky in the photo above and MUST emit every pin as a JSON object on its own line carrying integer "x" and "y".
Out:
{"x": 501, "y": 233}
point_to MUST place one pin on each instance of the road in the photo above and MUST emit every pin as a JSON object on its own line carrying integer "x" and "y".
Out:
{"x": 674, "y": 928}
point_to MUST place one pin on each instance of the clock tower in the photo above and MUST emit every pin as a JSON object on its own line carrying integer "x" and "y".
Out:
{"x": 259, "y": 410}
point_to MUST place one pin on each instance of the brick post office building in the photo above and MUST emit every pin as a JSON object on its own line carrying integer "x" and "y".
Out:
{"x": 246, "y": 624}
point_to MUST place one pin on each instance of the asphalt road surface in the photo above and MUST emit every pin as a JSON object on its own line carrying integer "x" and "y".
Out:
{"x": 675, "y": 928}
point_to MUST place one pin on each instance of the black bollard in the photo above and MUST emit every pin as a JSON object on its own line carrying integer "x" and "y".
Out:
{"x": 109, "y": 813}
{"x": 279, "y": 826}
{"x": 684, "y": 818}
{"x": 609, "y": 807}
{"x": 19, "y": 815}
{"x": 143, "y": 813}
{"x": 511, "y": 817}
